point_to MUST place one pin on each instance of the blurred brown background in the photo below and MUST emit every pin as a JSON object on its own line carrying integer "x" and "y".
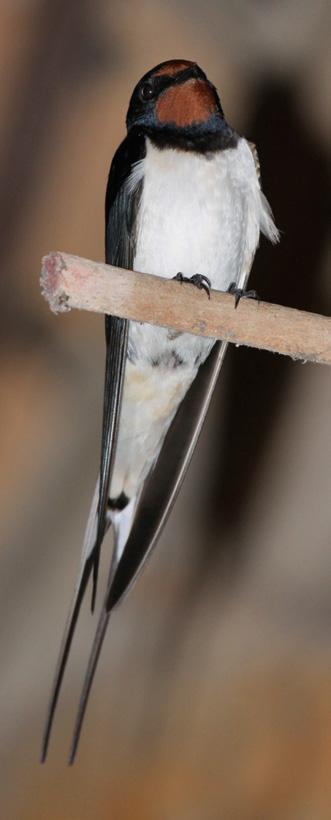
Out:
{"x": 213, "y": 696}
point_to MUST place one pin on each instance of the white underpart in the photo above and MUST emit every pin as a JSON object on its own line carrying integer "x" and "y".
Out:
{"x": 122, "y": 520}
{"x": 198, "y": 214}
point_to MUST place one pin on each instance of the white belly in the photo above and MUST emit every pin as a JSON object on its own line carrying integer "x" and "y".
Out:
{"x": 197, "y": 215}
{"x": 192, "y": 214}
{"x": 151, "y": 398}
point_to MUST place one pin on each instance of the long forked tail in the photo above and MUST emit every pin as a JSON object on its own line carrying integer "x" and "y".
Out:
{"x": 83, "y": 578}
{"x": 93, "y": 660}
{"x": 98, "y": 522}
{"x": 64, "y": 653}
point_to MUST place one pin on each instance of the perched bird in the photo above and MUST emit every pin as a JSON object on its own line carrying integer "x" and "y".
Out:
{"x": 183, "y": 201}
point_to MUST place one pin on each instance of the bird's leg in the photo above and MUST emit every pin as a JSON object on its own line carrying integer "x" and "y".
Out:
{"x": 200, "y": 281}
{"x": 240, "y": 293}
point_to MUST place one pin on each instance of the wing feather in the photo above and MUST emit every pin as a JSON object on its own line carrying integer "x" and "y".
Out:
{"x": 121, "y": 208}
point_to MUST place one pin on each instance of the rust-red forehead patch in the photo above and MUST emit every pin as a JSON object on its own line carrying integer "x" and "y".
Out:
{"x": 172, "y": 67}
{"x": 186, "y": 104}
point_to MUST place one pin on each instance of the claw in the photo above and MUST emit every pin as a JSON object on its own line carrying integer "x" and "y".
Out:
{"x": 198, "y": 279}
{"x": 240, "y": 293}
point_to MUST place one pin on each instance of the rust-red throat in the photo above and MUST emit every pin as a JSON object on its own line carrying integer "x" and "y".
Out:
{"x": 186, "y": 104}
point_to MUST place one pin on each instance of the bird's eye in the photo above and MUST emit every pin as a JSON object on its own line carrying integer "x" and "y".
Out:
{"x": 147, "y": 92}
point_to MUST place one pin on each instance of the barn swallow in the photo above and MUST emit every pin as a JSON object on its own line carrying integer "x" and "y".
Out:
{"x": 183, "y": 201}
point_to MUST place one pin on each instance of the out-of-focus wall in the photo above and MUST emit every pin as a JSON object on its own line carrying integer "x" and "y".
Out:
{"x": 212, "y": 698}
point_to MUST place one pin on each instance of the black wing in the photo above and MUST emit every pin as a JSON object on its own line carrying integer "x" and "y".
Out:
{"x": 154, "y": 506}
{"x": 121, "y": 210}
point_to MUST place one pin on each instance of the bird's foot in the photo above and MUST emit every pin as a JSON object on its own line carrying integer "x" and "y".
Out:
{"x": 240, "y": 293}
{"x": 200, "y": 281}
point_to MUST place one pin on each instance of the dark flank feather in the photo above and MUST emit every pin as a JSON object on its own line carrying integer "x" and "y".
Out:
{"x": 121, "y": 212}
{"x": 116, "y": 350}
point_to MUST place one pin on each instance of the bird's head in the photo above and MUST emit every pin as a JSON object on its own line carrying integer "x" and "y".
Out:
{"x": 176, "y": 102}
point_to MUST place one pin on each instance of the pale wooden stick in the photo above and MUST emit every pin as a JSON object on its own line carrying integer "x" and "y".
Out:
{"x": 72, "y": 282}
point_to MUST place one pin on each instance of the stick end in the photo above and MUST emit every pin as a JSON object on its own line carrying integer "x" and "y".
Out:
{"x": 52, "y": 282}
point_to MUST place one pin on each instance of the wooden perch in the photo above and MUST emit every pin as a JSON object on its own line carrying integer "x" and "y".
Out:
{"x": 72, "y": 282}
